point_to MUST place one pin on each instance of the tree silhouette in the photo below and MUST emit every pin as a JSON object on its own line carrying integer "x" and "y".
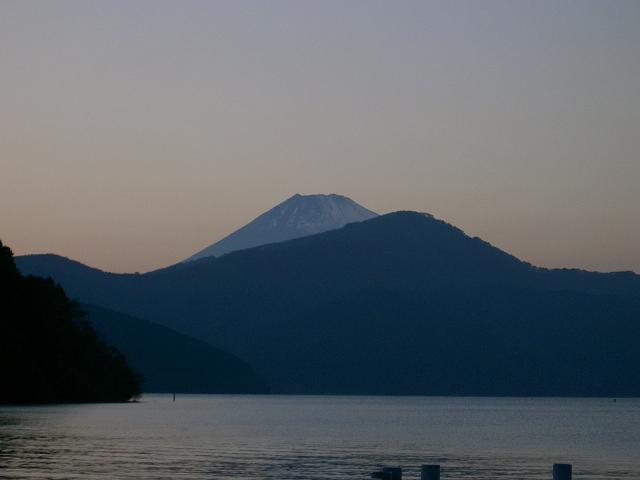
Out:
{"x": 48, "y": 352}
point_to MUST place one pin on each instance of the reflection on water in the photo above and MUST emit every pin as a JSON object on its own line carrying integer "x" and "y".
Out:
{"x": 298, "y": 437}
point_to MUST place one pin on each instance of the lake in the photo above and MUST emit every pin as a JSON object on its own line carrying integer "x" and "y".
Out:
{"x": 321, "y": 437}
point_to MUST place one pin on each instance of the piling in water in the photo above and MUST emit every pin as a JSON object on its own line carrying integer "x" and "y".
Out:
{"x": 561, "y": 471}
{"x": 430, "y": 472}
{"x": 388, "y": 473}
{"x": 396, "y": 472}
{"x": 381, "y": 475}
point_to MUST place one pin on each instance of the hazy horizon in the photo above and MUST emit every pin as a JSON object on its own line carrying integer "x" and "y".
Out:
{"x": 134, "y": 134}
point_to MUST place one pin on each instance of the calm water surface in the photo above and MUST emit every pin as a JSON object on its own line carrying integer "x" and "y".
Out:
{"x": 298, "y": 437}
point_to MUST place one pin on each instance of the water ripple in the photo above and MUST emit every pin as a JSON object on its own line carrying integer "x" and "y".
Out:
{"x": 330, "y": 438}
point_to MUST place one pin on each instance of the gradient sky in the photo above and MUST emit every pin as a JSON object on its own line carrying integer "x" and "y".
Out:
{"x": 135, "y": 133}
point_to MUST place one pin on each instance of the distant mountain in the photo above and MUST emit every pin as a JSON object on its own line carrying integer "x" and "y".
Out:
{"x": 298, "y": 216}
{"x": 170, "y": 361}
{"x": 399, "y": 304}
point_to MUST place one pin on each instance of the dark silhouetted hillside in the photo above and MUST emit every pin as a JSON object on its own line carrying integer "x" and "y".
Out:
{"x": 170, "y": 361}
{"x": 402, "y": 303}
{"x": 48, "y": 352}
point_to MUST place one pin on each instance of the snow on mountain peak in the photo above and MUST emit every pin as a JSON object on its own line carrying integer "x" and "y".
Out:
{"x": 298, "y": 216}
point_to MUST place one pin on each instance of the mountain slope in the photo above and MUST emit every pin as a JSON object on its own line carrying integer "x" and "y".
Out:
{"x": 173, "y": 362}
{"x": 48, "y": 352}
{"x": 298, "y": 216}
{"x": 402, "y": 303}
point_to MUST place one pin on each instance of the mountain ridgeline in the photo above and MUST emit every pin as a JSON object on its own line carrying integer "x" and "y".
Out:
{"x": 399, "y": 304}
{"x": 298, "y": 216}
{"x": 173, "y": 362}
{"x": 48, "y": 352}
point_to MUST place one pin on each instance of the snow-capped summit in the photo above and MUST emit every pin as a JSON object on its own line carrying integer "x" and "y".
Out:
{"x": 298, "y": 216}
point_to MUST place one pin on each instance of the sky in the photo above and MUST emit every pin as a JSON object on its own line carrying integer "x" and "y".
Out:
{"x": 135, "y": 133}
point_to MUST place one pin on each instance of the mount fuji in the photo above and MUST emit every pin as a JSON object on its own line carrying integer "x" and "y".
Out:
{"x": 298, "y": 216}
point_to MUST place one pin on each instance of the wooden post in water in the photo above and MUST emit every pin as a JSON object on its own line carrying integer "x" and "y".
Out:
{"x": 174, "y": 396}
{"x": 561, "y": 471}
{"x": 430, "y": 472}
{"x": 395, "y": 472}
{"x": 381, "y": 475}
